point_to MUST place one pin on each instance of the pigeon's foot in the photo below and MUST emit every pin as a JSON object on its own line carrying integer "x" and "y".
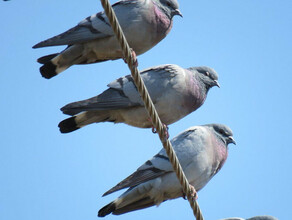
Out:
{"x": 193, "y": 193}
{"x": 134, "y": 56}
{"x": 165, "y": 131}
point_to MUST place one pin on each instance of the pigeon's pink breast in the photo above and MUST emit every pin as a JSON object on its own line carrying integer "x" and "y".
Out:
{"x": 163, "y": 23}
{"x": 221, "y": 152}
{"x": 196, "y": 97}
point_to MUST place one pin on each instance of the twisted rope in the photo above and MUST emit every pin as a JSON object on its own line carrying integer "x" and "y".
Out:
{"x": 160, "y": 128}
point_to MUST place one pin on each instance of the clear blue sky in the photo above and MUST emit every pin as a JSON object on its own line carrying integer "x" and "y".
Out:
{"x": 48, "y": 175}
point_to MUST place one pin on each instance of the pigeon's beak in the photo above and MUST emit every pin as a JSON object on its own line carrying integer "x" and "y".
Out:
{"x": 231, "y": 140}
{"x": 177, "y": 12}
{"x": 216, "y": 83}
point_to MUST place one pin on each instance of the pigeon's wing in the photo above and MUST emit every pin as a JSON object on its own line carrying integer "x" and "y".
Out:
{"x": 93, "y": 27}
{"x": 158, "y": 166}
{"x": 111, "y": 99}
{"x": 122, "y": 93}
{"x": 158, "y": 80}
{"x": 189, "y": 144}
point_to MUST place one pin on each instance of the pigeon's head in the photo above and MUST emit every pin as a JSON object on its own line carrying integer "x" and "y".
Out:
{"x": 223, "y": 132}
{"x": 207, "y": 75}
{"x": 170, "y": 7}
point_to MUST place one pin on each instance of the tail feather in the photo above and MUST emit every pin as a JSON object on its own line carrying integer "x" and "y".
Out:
{"x": 48, "y": 58}
{"x": 48, "y": 70}
{"x": 106, "y": 210}
{"x": 75, "y": 108}
{"x": 68, "y": 125}
{"x": 115, "y": 210}
{"x": 71, "y": 111}
{"x": 74, "y": 123}
{"x": 54, "y": 64}
{"x": 140, "y": 204}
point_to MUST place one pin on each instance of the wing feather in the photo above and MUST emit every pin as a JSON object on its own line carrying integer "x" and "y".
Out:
{"x": 91, "y": 28}
{"x": 138, "y": 177}
{"x": 110, "y": 99}
{"x": 123, "y": 93}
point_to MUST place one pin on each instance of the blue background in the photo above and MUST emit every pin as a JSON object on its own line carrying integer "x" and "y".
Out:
{"x": 48, "y": 175}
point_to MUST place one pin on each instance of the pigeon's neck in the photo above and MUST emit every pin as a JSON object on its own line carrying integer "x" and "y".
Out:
{"x": 197, "y": 92}
{"x": 205, "y": 85}
{"x": 221, "y": 152}
{"x": 162, "y": 9}
{"x": 204, "y": 88}
{"x": 162, "y": 19}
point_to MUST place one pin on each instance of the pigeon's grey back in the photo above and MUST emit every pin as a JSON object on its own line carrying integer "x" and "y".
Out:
{"x": 93, "y": 27}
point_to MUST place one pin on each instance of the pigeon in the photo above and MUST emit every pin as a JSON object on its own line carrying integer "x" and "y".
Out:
{"x": 144, "y": 22}
{"x": 262, "y": 217}
{"x": 175, "y": 92}
{"x": 201, "y": 150}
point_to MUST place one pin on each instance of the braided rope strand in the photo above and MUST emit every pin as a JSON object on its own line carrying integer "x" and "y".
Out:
{"x": 160, "y": 128}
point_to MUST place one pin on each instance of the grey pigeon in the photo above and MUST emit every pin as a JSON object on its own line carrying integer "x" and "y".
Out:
{"x": 262, "y": 217}
{"x": 201, "y": 150}
{"x": 175, "y": 91}
{"x": 144, "y": 22}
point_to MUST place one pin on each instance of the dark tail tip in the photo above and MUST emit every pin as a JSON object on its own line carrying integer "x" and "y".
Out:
{"x": 68, "y": 125}
{"x": 48, "y": 70}
{"x": 106, "y": 210}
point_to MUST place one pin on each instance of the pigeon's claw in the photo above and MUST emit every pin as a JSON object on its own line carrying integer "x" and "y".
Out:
{"x": 165, "y": 131}
{"x": 134, "y": 56}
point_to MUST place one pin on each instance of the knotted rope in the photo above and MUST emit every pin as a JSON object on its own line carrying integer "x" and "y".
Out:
{"x": 160, "y": 128}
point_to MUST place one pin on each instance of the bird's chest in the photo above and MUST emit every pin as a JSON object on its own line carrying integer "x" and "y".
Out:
{"x": 220, "y": 156}
{"x": 206, "y": 163}
{"x": 195, "y": 96}
{"x": 161, "y": 23}
{"x": 199, "y": 172}
{"x": 194, "y": 101}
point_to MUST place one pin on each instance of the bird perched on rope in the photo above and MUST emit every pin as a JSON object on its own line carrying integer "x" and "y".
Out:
{"x": 144, "y": 22}
{"x": 262, "y": 217}
{"x": 175, "y": 92}
{"x": 201, "y": 150}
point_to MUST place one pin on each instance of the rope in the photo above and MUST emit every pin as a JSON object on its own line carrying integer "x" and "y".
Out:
{"x": 160, "y": 128}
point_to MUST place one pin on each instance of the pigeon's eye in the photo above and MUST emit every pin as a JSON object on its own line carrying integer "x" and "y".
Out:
{"x": 207, "y": 73}
{"x": 168, "y": 4}
{"x": 221, "y": 131}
